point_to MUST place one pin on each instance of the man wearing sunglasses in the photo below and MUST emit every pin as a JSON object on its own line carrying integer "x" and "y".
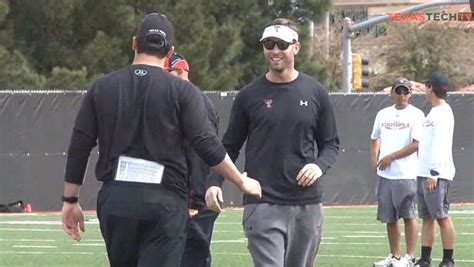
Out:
{"x": 141, "y": 118}
{"x": 436, "y": 172}
{"x": 197, "y": 251}
{"x": 394, "y": 142}
{"x": 285, "y": 116}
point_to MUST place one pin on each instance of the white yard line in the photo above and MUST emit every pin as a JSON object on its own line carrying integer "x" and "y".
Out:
{"x": 31, "y": 222}
{"x": 241, "y": 240}
{"x": 461, "y": 212}
{"x": 41, "y": 222}
{"x": 90, "y": 244}
{"x": 357, "y": 224}
{"x": 354, "y": 232}
{"x": 338, "y": 256}
{"x": 31, "y": 229}
{"x": 365, "y": 236}
{"x": 28, "y": 246}
{"x": 43, "y": 230}
{"x": 27, "y": 240}
{"x": 52, "y": 252}
{"x": 351, "y": 243}
{"x": 371, "y": 257}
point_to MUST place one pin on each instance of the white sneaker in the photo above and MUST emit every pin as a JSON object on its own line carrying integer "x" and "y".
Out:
{"x": 387, "y": 262}
{"x": 402, "y": 262}
{"x": 410, "y": 260}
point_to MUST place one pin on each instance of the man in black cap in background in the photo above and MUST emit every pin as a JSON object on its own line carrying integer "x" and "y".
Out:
{"x": 141, "y": 117}
{"x": 393, "y": 145}
{"x": 197, "y": 252}
{"x": 436, "y": 172}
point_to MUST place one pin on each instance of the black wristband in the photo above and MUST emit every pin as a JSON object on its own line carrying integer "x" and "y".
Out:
{"x": 71, "y": 200}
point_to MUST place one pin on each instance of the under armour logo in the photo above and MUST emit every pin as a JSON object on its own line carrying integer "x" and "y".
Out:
{"x": 269, "y": 102}
{"x": 140, "y": 72}
{"x": 304, "y": 103}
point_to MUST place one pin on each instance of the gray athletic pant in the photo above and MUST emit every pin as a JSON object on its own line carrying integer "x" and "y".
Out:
{"x": 283, "y": 235}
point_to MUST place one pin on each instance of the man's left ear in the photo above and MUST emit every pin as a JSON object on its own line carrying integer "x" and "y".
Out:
{"x": 297, "y": 48}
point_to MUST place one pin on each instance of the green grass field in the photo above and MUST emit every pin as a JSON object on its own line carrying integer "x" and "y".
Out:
{"x": 351, "y": 237}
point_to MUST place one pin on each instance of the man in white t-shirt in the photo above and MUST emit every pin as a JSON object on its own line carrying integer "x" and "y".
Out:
{"x": 436, "y": 172}
{"x": 394, "y": 142}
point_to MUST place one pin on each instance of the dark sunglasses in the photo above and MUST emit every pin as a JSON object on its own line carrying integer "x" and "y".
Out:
{"x": 269, "y": 45}
{"x": 401, "y": 90}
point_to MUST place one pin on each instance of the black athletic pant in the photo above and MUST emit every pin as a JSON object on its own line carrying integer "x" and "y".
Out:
{"x": 142, "y": 224}
{"x": 197, "y": 252}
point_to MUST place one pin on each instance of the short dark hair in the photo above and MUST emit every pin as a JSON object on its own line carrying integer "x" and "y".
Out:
{"x": 151, "y": 49}
{"x": 285, "y": 22}
{"x": 440, "y": 94}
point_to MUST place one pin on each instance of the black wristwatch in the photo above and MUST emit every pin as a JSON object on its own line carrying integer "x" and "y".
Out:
{"x": 71, "y": 200}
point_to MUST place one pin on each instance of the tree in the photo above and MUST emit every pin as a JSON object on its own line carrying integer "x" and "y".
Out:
{"x": 16, "y": 73}
{"x": 220, "y": 38}
{"x": 100, "y": 54}
{"x": 415, "y": 52}
{"x": 3, "y": 9}
{"x": 44, "y": 32}
{"x": 65, "y": 79}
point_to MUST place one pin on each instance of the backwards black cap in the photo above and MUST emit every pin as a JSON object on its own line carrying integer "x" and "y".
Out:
{"x": 439, "y": 82}
{"x": 156, "y": 30}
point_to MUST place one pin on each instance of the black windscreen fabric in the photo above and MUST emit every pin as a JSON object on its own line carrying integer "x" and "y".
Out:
{"x": 35, "y": 132}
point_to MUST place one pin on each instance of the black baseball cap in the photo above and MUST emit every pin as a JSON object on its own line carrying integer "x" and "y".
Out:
{"x": 401, "y": 82}
{"x": 156, "y": 30}
{"x": 438, "y": 82}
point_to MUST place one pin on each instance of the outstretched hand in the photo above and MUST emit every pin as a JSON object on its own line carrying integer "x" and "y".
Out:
{"x": 214, "y": 198}
{"x": 250, "y": 186}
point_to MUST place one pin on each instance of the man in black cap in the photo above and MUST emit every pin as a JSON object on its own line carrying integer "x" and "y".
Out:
{"x": 436, "y": 172}
{"x": 141, "y": 117}
{"x": 393, "y": 146}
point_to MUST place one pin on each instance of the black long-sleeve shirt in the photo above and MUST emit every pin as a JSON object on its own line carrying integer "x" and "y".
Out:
{"x": 281, "y": 123}
{"x": 142, "y": 112}
{"x": 198, "y": 169}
